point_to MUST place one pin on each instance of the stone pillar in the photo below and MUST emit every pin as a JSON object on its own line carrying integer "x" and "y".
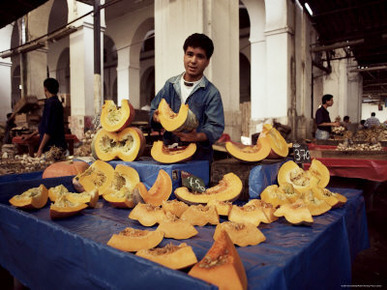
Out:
{"x": 219, "y": 20}
{"x": 36, "y": 68}
{"x": 5, "y": 74}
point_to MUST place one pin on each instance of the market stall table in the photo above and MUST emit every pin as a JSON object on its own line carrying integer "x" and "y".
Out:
{"x": 72, "y": 253}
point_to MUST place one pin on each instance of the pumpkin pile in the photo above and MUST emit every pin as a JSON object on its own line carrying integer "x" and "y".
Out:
{"x": 270, "y": 145}
{"x": 116, "y": 139}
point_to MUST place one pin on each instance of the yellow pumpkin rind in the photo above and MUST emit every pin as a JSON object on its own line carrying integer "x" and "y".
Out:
{"x": 165, "y": 155}
{"x": 228, "y": 189}
{"x": 301, "y": 180}
{"x": 278, "y": 144}
{"x": 160, "y": 190}
{"x": 320, "y": 171}
{"x": 185, "y": 119}
{"x": 249, "y": 153}
{"x": 133, "y": 243}
{"x": 181, "y": 258}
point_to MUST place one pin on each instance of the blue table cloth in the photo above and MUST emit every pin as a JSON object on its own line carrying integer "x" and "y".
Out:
{"x": 72, "y": 253}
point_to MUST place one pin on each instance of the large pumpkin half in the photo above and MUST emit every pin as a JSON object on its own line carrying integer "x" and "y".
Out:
{"x": 114, "y": 119}
{"x": 301, "y": 180}
{"x": 167, "y": 155}
{"x": 98, "y": 176}
{"x": 278, "y": 144}
{"x": 228, "y": 189}
{"x": 249, "y": 153}
{"x": 320, "y": 171}
{"x": 126, "y": 145}
{"x": 185, "y": 119}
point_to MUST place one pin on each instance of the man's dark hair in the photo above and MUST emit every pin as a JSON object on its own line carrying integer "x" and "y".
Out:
{"x": 373, "y": 114}
{"x": 200, "y": 40}
{"x": 326, "y": 98}
{"x": 346, "y": 118}
{"x": 51, "y": 85}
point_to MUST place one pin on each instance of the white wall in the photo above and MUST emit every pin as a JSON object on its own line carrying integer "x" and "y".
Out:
{"x": 367, "y": 109}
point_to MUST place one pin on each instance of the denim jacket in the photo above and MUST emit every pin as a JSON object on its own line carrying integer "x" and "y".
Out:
{"x": 205, "y": 102}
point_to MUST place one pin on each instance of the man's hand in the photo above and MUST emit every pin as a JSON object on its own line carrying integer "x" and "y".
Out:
{"x": 156, "y": 117}
{"x": 336, "y": 124}
{"x": 192, "y": 136}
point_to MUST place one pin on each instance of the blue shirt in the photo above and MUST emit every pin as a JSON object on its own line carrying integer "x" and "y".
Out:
{"x": 205, "y": 102}
{"x": 52, "y": 123}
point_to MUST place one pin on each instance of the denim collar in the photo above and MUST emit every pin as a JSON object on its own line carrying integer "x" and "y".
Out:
{"x": 176, "y": 83}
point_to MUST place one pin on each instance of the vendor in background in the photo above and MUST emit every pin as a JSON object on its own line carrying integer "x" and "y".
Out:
{"x": 372, "y": 121}
{"x": 203, "y": 98}
{"x": 346, "y": 123}
{"x": 8, "y": 127}
{"x": 51, "y": 127}
{"x": 323, "y": 121}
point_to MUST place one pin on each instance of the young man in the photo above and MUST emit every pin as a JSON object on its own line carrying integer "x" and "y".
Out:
{"x": 51, "y": 127}
{"x": 323, "y": 120}
{"x": 203, "y": 98}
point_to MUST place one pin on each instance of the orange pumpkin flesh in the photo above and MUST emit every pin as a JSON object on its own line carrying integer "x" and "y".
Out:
{"x": 228, "y": 189}
{"x": 160, "y": 190}
{"x": 278, "y": 145}
{"x": 63, "y": 208}
{"x": 33, "y": 198}
{"x": 174, "y": 206}
{"x": 175, "y": 228}
{"x": 114, "y": 119}
{"x": 249, "y": 153}
{"x": 199, "y": 215}
{"x": 295, "y": 213}
{"x": 132, "y": 240}
{"x": 267, "y": 209}
{"x": 185, "y": 119}
{"x": 171, "y": 256}
{"x": 127, "y": 145}
{"x": 56, "y": 191}
{"x": 65, "y": 168}
{"x": 247, "y": 214}
{"x": 274, "y": 195}
{"x": 241, "y": 234}
{"x": 221, "y": 265}
{"x": 320, "y": 171}
{"x": 166, "y": 155}
{"x": 301, "y": 180}
{"x": 315, "y": 205}
{"x": 147, "y": 214}
{"x": 222, "y": 207}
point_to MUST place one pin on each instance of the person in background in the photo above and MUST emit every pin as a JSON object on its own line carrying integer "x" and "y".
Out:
{"x": 361, "y": 125}
{"x": 372, "y": 121}
{"x": 346, "y": 123}
{"x": 323, "y": 121}
{"x": 8, "y": 127}
{"x": 203, "y": 98}
{"x": 51, "y": 128}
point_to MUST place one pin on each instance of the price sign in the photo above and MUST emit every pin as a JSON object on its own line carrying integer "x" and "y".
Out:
{"x": 301, "y": 153}
{"x": 193, "y": 183}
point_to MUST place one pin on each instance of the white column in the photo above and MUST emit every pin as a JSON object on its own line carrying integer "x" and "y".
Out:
{"x": 36, "y": 72}
{"x": 5, "y": 73}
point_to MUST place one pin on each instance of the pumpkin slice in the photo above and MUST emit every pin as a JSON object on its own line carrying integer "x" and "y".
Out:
{"x": 273, "y": 195}
{"x": 249, "y": 153}
{"x": 132, "y": 240}
{"x": 33, "y": 198}
{"x": 174, "y": 206}
{"x": 228, "y": 189}
{"x": 333, "y": 199}
{"x": 320, "y": 171}
{"x": 98, "y": 176}
{"x": 115, "y": 119}
{"x": 301, "y": 180}
{"x": 122, "y": 198}
{"x": 90, "y": 198}
{"x": 185, "y": 119}
{"x": 160, "y": 190}
{"x": 222, "y": 207}
{"x": 63, "y": 208}
{"x": 54, "y": 192}
{"x": 147, "y": 214}
{"x": 267, "y": 208}
{"x": 127, "y": 145}
{"x": 65, "y": 168}
{"x": 279, "y": 146}
{"x": 247, "y": 214}
{"x": 124, "y": 176}
{"x": 221, "y": 265}
{"x": 175, "y": 228}
{"x": 168, "y": 155}
{"x": 199, "y": 215}
{"x": 296, "y": 213}
{"x": 172, "y": 256}
{"x": 315, "y": 205}
{"x": 241, "y": 234}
